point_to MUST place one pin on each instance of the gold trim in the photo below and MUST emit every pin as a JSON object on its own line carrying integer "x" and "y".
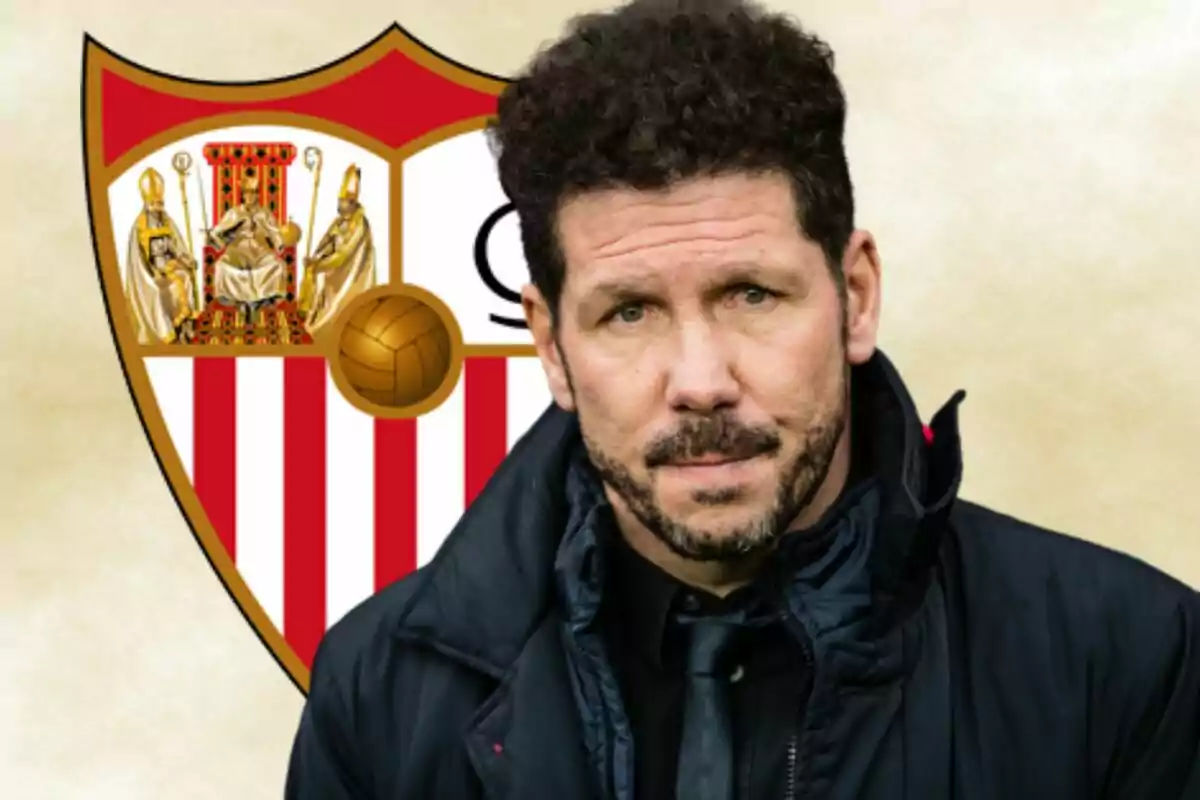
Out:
{"x": 218, "y": 350}
{"x": 395, "y": 222}
{"x": 97, "y": 60}
{"x": 439, "y": 135}
{"x": 499, "y": 350}
{"x": 277, "y": 350}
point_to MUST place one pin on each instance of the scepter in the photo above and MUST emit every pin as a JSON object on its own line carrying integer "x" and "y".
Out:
{"x": 312, "y": 161}
{"x": 182, "y": 162}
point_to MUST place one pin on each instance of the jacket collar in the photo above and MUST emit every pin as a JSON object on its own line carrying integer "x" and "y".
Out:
{"x": 493, "y": 581}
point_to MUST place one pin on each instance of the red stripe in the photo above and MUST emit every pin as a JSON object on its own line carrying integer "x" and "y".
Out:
{"x": 395, "y": 499}
{"x": 304, "y": 504}
{"x": 214, "y": 420}
{"x": 486, "y": 420}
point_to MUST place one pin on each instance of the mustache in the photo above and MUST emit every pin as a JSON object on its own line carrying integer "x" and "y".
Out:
{"x": 711, "y": 436}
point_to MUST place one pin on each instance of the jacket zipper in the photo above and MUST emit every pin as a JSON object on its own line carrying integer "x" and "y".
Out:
{"x": 793, "y": 747}
{"x": 790, "y": 793}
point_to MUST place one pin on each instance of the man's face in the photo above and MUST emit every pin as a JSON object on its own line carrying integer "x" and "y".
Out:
{"x": 346, "y": 206}
{"x": 701, "y": 341}
{"x": 250, "y": 197}
{"x": 155, "y": 207}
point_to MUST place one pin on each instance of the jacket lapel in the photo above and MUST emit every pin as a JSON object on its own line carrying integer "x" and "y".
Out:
{"x": 525, "y": 740}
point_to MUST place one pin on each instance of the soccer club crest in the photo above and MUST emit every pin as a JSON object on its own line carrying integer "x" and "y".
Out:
{"x": 312, "y": 283}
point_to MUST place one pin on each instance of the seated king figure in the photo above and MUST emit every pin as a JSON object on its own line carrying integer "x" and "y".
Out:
{"x": 251, "y": 273}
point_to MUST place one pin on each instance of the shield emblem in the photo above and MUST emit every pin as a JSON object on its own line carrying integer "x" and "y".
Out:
{"x": 312, "y": 284}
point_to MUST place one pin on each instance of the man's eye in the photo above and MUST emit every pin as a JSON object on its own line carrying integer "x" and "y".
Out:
{"x": 629, "y": 313}
{"x": 754, "y": 295}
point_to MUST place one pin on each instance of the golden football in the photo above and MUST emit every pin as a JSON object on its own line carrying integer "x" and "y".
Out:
{"x": 395, "y": 351}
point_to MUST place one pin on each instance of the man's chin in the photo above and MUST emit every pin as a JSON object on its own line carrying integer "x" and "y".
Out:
{"x": 703, "y": 538}
{"x": 719, "y": 548}
{"x": 719, "y": 514}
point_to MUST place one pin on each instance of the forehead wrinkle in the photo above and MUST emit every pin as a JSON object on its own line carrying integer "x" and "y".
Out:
{"x": 665, "y": 234}
{"x": 651, "y": 259}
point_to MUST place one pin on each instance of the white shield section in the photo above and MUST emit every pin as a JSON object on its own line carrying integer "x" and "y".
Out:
{"x": 450, "y": 191}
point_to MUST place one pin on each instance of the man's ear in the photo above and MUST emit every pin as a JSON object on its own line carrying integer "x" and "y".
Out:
{"x": 545, "y": 340}
{"x": 861, "y": 269}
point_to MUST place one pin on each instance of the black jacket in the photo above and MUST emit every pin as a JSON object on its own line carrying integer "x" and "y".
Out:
{"x": 955, "y": 652}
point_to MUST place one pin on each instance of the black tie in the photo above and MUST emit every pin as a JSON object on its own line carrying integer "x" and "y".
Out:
{"x": 706, "y": 746}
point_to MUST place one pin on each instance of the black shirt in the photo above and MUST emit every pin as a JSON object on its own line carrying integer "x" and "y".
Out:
{"x": 767, "y": 665}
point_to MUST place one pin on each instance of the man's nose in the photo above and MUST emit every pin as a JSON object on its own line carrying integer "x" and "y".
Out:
{"x": 701, "y": 376}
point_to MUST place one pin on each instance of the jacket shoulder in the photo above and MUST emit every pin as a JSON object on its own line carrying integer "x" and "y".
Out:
{"x": 1050, "y": 620}
{"x": 1039, "y": 590}
{"x": 366, "y": 632}
{"x": 1023, "y": 560}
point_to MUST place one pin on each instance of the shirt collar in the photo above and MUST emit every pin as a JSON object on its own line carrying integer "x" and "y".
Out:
{"x": 646, "y": 598}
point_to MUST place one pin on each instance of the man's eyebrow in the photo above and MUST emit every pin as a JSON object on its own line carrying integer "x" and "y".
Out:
{"x": 744, "y": 272}
{"x": 618, "y": 288}
{"x": 632, "y": 283}
{"x": 768, "y": 271}
{"x": 729, "y": 274}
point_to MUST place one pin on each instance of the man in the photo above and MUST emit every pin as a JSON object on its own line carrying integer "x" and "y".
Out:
{"x": 731, "y": 563}
{"x": 343, "y": 264}
{"x": 251, "y": 272}
{"x": 160, "y": 275}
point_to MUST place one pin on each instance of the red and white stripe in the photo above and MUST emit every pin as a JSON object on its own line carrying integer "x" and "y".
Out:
{"x": 319, "y": 504}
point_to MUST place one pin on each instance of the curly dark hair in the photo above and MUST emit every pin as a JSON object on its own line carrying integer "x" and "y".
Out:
{"x": 662, "y": 90}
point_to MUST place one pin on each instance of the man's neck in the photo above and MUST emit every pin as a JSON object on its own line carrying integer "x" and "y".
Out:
{"x": 724, "y": 577}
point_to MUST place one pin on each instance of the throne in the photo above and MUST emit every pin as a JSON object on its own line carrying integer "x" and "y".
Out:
{"x": 221, "y": 324}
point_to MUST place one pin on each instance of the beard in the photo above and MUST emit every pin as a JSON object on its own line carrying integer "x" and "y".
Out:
{"x": 800, "y": 478}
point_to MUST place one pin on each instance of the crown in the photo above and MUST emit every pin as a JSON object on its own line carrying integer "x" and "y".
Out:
{"x": 151, "y": 186}
{"x": 350, "y": 182}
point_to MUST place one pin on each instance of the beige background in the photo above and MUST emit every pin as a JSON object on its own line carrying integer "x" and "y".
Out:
{"x": 1030, "y": 170}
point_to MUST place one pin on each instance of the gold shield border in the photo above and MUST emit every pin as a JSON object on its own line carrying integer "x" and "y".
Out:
{"x": 98, "y": 177}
